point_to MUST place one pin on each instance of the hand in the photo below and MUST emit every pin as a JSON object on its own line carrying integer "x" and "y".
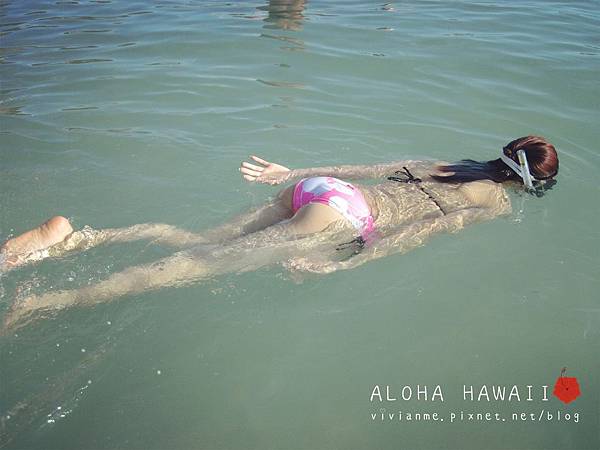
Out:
{"x": 267, "y": 172}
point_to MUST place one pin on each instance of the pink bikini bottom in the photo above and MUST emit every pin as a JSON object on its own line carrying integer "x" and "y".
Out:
{"x": 341, "y": 196}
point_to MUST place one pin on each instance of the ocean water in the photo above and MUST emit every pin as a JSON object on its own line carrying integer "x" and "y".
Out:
{"x": 121, "y": 112}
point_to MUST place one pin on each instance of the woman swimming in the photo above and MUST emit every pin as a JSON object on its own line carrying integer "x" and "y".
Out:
{"x": 320, "y": 223}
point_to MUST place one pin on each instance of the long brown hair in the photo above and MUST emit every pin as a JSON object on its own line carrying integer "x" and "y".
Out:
{"x": 541, "y": 156}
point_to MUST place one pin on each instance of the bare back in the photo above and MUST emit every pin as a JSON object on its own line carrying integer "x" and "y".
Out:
{"x": 393, "y": 203}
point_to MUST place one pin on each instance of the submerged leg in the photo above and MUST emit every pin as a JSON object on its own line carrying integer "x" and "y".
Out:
{"x": 160, "y": 233}
{"x": 262, "y": 217}
{"x": 269, "y": 214}
{"x": 275, "y": 211}
{"x": 271, "y": 245}
{"x": 56, "y": 236}
{"x": 178, "y": 269}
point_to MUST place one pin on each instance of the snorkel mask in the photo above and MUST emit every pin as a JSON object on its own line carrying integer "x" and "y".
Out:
{"x": 522, "y": 169}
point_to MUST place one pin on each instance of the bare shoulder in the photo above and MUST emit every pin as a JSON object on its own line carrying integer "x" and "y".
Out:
{"x": 486, "y": 194}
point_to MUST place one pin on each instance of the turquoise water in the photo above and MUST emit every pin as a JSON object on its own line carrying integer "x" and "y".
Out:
{"x": 116, "y": 112}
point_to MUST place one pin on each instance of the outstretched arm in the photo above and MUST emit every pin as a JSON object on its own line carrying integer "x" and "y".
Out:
{"x": 403, "y": 239}
{"x": 270, "y": 173}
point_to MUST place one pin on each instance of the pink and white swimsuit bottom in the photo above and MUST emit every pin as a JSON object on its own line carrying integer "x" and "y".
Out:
{"x": 340, "y": 195}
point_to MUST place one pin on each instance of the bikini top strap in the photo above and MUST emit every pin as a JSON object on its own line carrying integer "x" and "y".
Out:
{"x": 358, "y": 243}
{"x": 408, "y": 177}
{"x": 404, "y": 177}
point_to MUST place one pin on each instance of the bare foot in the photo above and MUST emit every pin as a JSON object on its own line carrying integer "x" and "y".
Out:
{"x": 20, "y": 249}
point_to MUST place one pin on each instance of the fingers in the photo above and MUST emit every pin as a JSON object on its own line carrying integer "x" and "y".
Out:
{"x": 252, "y": 173}
{"x": 259, "y": 160}
{"x": 252, "y": 166}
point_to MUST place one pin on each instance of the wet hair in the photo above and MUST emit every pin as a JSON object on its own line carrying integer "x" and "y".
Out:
{"x": 541, "y": 156}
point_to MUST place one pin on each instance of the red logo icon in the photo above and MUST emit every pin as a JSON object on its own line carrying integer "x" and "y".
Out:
{"x": 566, "y": 389}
